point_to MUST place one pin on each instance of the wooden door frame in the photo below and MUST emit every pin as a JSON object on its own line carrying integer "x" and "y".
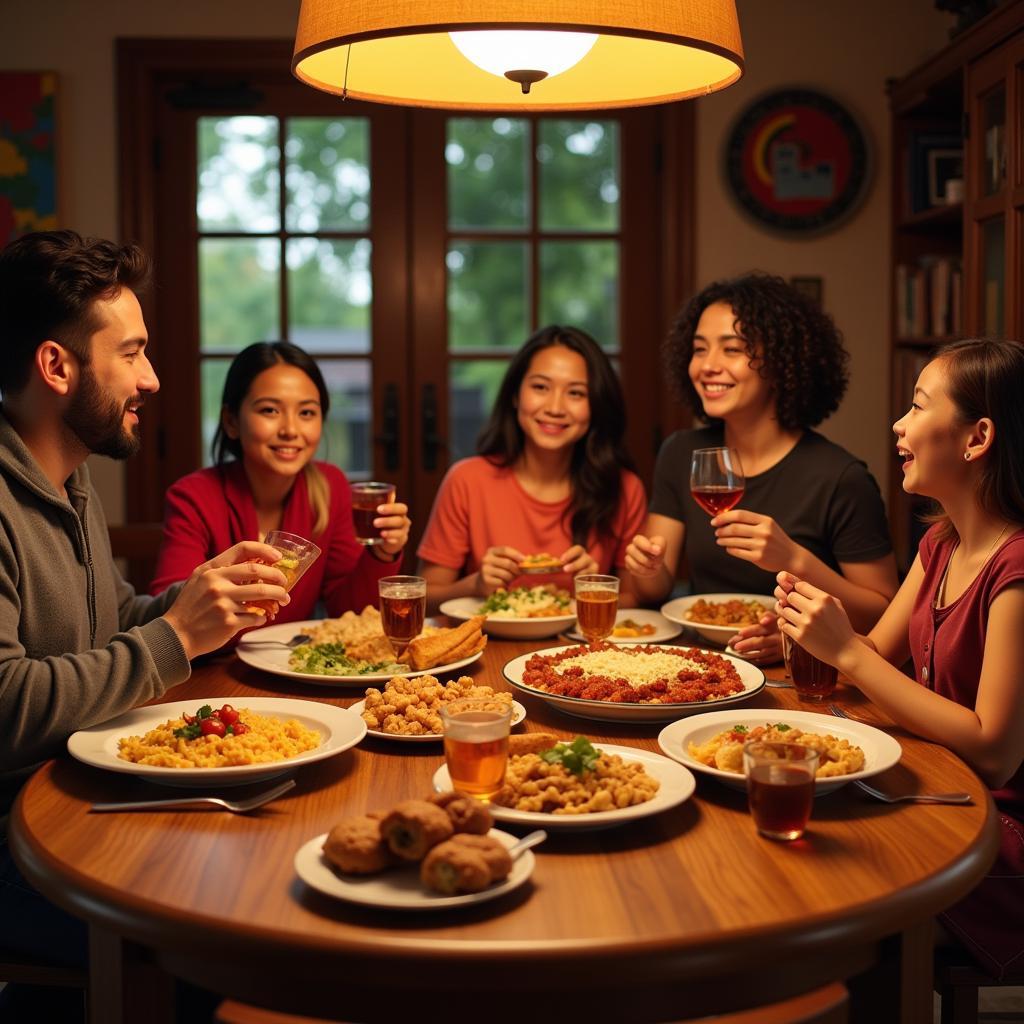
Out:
{"x": 146, "y": 68}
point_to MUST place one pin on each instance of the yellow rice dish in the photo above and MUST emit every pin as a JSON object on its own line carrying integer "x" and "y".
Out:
{"x": 267, "y": 739}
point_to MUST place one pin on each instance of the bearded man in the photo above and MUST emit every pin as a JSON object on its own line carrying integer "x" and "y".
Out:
{"x": 77, "y": 645}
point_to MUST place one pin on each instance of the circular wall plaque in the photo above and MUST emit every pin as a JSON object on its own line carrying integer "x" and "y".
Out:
{"x": 796, "y": 161}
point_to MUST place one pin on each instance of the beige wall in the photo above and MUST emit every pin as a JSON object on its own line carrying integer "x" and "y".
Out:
{"x": 848, "y": 48}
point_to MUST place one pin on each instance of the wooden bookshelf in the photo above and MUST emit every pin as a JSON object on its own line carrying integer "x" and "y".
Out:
{"x": 957, "y": 265}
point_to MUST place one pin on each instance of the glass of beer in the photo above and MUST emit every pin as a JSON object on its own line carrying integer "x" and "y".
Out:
{"x": 813, "y": 679}
{"x": 297, "y": 555}
{"x": 780, "y": 787}
{"x": 366, "y": 497}
{"x": 476, "y": 745}
{"x": 716, "y": 479}
{"x": 597, "y": 602}
{"x": 403, "y": 605}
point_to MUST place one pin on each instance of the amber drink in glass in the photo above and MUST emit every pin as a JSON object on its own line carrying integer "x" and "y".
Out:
{"x": 813, "y": 679}
{"x": 597, "y": 603}
{"x": 780, "y": 787}
{"x": 366, "y": 496}
{"x": 403, "y": 605}
{"x": 476, "y": 746}
{"x": 297, "y": 555}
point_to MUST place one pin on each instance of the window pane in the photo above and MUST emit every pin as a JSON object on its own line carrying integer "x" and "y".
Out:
{"x": 993, "y": 276}
{"x": 994, "y": 128}
{"x": 239, "y": 182}
{"x": 487, "y": 294}
{"x": 487, "y": 172}
{"x": 579, "y": 175}
{"x": 329, "y": 294}
{"x": 473, "y": 387}
{"x": 579, "y": 287}
{"x": 327, "y": 174}
{"x": 238, "y": 292}
{"x": 211, "y": 388}
{"x": 348, "y": 430}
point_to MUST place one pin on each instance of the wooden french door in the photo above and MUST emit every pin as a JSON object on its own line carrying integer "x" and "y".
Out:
{"x": 409, "y": 251}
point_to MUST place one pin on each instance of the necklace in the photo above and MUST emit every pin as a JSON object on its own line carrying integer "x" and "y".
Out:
{"x": 940, "y": 592}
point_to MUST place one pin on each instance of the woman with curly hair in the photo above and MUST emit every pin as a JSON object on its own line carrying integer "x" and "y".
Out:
{"x": 761, "y": 364}
{"x": 551, "y": 475}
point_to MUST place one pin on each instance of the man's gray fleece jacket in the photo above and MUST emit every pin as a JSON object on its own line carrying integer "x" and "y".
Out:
{"x": 77, "y": 645}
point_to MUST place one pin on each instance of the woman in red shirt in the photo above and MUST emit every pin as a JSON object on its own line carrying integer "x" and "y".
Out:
{"x": 959, "y": 614}
{"x": 265, "y": 478}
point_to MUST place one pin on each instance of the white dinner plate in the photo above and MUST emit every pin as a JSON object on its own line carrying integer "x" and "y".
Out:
{"x": 678, "y": 610}
{"x": 881, "y": 751}
{"x": 97, "y": 746}
{"x": 518, "y": 715}
{"x": 677, "y": 786}
{"x": 271, "y": 658}
{"x": 750, "y": 675}
{"x": 664, "y": 629}
{"x": 509, "y": 629}
{"x": 400, "y": 888}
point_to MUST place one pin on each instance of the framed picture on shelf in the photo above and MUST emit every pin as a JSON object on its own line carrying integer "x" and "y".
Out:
{"x": 944, "y": 166}
{"x": 947, "y": 150}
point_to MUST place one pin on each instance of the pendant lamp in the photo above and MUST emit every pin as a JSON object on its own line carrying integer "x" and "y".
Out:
{"x": 518, "y": 54}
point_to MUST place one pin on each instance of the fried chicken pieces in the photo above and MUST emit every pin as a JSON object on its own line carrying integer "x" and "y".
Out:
{"x": 446, "y": 833}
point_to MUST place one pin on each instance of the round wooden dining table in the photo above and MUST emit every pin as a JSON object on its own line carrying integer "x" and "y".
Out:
{"x": 665, "y": 918}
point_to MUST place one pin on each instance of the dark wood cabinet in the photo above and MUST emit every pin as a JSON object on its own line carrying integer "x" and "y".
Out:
{"x": 957, "y": 214}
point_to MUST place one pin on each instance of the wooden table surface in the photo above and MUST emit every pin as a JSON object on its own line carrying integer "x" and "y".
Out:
{"x": 675, "y": 915}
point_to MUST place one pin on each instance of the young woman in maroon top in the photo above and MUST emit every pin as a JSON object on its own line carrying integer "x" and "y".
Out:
{"x": 959, "y": 614}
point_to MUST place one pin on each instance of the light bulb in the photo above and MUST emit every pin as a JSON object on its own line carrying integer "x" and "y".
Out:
{"x": 538, "y": 54}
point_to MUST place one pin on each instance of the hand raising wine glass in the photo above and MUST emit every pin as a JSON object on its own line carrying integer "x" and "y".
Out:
{"x": 716, "y": 479}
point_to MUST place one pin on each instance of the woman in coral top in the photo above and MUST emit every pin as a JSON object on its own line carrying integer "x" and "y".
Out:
{"x": 959, "y": 614}
{"x": 551, "y": 476}
{"x": 273, "y": 409}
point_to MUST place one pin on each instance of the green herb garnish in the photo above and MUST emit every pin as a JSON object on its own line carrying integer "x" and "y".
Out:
{"x": 331, "y": 660}
{"x": 740, "y": 728}
{"x": 779, "y": 727}
{"x": 577, "y": 757}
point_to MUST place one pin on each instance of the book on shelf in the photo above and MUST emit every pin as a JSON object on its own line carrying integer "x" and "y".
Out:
{"x": 928, "y": 297}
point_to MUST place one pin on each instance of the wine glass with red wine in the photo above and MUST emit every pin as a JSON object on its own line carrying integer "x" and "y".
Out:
{"x": 716, "y": 479}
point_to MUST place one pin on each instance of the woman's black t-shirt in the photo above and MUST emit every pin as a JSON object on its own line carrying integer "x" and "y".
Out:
{"x": 825, "y": 499}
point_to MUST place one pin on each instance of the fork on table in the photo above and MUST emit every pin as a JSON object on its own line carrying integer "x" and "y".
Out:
{"x": 922, "y": 798}
{"x": 235, "y": 806}
{"x": 296, "y": 641}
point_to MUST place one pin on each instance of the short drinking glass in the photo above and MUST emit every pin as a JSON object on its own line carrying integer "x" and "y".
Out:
{"x": 366, "y": 496}
{"x": 780, "y": 787}
{"x": 297, "y": 555}
{"x": 403, "y": 605}
{"x": 716, "y": 479}
{"x": 476, "y": 745}
{"x": 813, "y": 679}
{"x": 597, "y": 602}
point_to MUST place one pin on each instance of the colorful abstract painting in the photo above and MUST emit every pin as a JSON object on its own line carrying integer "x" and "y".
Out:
{"x": 28, "y": 178}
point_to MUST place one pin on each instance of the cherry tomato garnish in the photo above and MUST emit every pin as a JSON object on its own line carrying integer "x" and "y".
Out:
{"x": 228, "y": 715}
{"x": 239, "y": 728}
{"x": 212, "y": 727}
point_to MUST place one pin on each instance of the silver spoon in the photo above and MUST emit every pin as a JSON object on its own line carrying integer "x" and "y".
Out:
{"x": 533, "y": 839}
